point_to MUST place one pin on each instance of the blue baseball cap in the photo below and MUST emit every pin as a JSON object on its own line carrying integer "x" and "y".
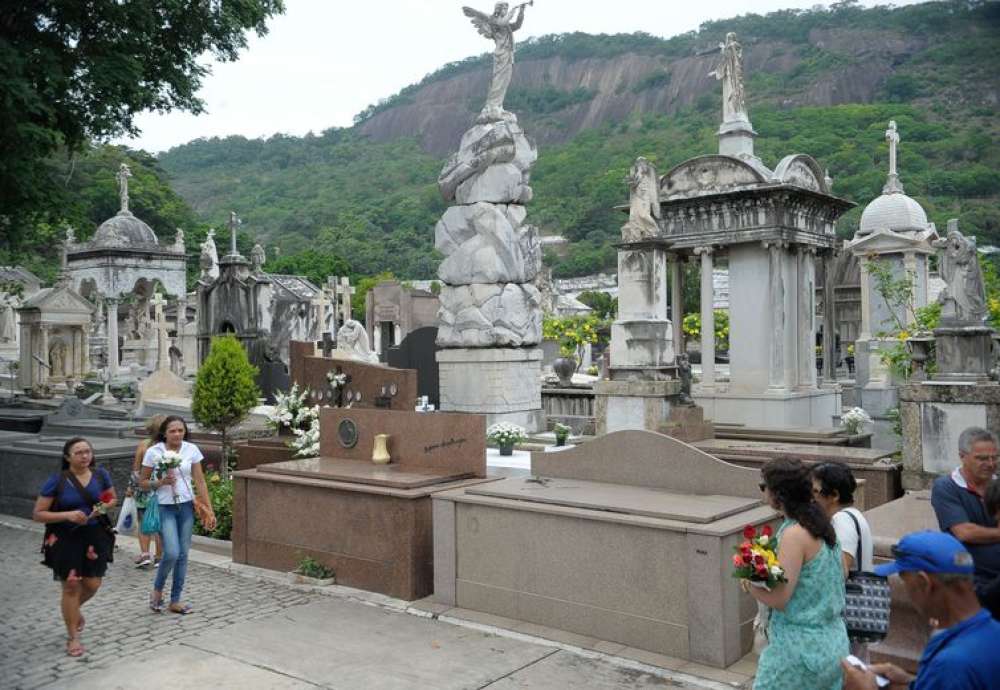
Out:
{"x": 930, "y": 552}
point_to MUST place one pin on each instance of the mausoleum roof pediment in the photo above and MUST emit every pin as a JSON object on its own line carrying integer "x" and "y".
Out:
{"x": 802, "y": 171}
{"x": 712, "y": 174}
{"x": 886, "y": 241}
{"x": 58, "y": 299}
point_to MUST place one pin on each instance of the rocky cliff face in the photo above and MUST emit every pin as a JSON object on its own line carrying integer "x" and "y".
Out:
{"x": 854, "y": 66}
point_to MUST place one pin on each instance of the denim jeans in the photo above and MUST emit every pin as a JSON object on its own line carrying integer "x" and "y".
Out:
{"x": 176, "y": 523}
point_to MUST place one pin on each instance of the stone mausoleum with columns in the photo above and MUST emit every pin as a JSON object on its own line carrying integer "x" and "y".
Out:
{"x": 123, "y": 260}
{"x": 769, "y": 226}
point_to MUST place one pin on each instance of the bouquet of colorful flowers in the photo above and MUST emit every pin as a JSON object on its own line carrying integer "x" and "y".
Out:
{"x": 505, "y": 434}
{"x": 755, "y": 559}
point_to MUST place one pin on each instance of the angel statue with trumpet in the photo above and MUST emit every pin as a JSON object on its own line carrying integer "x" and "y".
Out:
{"x": 500, "y": 26}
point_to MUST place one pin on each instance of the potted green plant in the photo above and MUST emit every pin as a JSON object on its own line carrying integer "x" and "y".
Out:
{"x": 505, "y": 435}
{"x": 562, "y": 433}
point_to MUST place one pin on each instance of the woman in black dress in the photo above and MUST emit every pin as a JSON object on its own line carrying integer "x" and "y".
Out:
{"x": 77, "y": 546}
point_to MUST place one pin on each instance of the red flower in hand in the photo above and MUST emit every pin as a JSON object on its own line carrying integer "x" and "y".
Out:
{"x": 91, "y": 554}
{"x": 737, "y": 561}
{"x": 749, "y": 532}
{"x": 767, "y": 531}
{"x": 762, "y": 572}
{"x": 758, "y": 560}
{"x": 107, "y": 496}
{"x": 51, "y": 540}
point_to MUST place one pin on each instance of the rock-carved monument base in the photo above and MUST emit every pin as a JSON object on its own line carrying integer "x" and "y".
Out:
{"x": 501, "y": 383}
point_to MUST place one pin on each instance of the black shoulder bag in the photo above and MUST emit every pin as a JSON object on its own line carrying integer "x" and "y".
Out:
{"x": 868, "y": 600}
{"x": 49, "y": 537}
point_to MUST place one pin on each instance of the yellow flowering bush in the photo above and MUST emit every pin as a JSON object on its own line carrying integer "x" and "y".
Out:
{"x": 573, "y": 333}
{"x": 691, "y": 325}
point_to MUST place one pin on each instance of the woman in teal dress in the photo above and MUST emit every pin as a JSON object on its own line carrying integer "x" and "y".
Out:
{"x": 807, "y": 636}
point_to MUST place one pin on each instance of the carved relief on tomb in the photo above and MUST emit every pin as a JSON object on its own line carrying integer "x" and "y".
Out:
{"x": 801, "y": 171}
{"x": 708, "y": 175}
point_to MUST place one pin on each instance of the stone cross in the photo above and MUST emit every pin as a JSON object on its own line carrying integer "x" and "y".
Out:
{"x": 162, "y": 352}
{"x": 328, "y": 345}
{"x": 344, "y": 292}
{"x": 123, "y": 174}
{"x": 319, "y": 301}
{"x": 234, "y": 222}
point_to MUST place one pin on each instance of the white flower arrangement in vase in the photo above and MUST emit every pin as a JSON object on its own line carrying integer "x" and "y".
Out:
{"x": 306, "y": 441}
{"x": 854, "y": 420}
{"x": 289, "y": 409}
{"x": 505, "y": 434}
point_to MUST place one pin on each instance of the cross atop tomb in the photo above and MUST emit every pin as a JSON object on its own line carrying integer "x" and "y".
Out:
{"x": 892, "y": 184}
{"x": 162, "y": 353}
{"x": 234, "y": 222}
{"x": 344, "y": 293}
{"x": 123, "y": 174}
{"x": 320, "y": 302}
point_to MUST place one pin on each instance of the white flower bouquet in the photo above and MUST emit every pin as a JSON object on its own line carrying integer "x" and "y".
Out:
{"x": 505, "y": 434}
{"x": 854, "y": 420}
{"x": 290, "y": 410}
{"x": 306, "y": 441}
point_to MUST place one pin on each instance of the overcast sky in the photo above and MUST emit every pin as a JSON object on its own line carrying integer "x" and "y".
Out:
{"x": 322, "y": 62}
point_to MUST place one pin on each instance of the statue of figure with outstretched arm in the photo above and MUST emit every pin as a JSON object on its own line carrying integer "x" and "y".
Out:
{"x": 500, "y": 27}
{"x": 730, "y": 72}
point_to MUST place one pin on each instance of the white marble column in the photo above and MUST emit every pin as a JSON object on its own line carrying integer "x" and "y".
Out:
{"x": 707, "y": 319}
{"x": 866, "y": 300}
{"x": 829, "y": 320}
{"x": 806, "y": 316}
{"x": 777, "y": 378}
{"x": 677, "y": 303}
{"x": 43, "y": 371}
{"x": 112, "y": 349}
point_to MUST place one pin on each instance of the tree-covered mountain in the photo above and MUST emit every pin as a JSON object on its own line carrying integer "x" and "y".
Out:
{"x": 821, "y": 81}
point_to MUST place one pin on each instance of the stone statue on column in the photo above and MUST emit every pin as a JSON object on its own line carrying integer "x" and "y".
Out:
{"x": 500, "y": 27}
{"x": 644, "y": 202}
{"x": 8, "y": 318}
{"x": 729, "y": 71}
{"x": 964, "y": 298}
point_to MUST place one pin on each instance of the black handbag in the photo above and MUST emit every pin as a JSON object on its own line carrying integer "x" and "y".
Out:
{"x": 49, "y": 535}
{"x": 868, "y": 600}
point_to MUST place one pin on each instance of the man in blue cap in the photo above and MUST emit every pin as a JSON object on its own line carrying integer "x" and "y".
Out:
{"x": 963, "y": 653}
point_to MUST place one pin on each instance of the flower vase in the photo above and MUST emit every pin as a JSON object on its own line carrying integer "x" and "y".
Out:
{"x": 506, "y": 449}
{"x": 564, "y": 368}
{"x": 380, "y": 452}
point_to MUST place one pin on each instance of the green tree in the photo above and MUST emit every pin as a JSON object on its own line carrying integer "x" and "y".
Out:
{"x": 74, "y": 71}
{"x": 604, "y": 305}
{"x": 225, "y": 390}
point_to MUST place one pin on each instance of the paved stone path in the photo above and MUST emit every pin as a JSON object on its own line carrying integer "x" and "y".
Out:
{"x": 119, "y": 623}
{"x": 250, "y": 634}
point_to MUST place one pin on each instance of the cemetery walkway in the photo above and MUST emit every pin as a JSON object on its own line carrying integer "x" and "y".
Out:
{"x": 253, "y": 632}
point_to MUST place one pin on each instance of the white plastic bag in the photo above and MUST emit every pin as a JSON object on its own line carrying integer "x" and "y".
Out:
{"x": 128, "y": 517}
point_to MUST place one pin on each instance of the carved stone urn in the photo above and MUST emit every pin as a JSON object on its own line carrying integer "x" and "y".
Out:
{"x": 564, "y": 367}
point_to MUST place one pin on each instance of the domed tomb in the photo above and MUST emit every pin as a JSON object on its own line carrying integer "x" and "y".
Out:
{"x": 126, "y": 231}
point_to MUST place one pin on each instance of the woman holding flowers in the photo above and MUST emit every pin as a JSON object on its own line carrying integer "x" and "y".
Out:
{"x": 806, "y": 631}
{"x": 171, "y": 467}
{"x": 77, "y": 546}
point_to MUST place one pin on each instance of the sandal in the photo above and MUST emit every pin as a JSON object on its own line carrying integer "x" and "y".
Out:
{"x": 155, "y": 603}
{"x": 180, "y": 609}
{"x": 74, "y": 647}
